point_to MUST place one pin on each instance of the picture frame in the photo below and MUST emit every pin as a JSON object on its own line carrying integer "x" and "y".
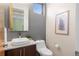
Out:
{"x": 62, "y": 23}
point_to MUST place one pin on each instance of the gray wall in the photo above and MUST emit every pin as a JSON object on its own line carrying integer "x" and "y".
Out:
{"x": 37, "y": 26}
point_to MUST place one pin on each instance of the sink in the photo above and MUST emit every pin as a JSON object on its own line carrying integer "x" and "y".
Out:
{"x": 20, "y": 41}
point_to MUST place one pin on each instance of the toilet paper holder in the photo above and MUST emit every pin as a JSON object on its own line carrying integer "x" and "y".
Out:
{"x": 57, "y": 46}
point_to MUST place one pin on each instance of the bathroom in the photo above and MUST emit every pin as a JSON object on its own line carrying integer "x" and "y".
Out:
{"x": 40, "y": 26}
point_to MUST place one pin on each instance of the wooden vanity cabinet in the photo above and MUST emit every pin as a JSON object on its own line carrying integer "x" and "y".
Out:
{"x": 23, "y": 51}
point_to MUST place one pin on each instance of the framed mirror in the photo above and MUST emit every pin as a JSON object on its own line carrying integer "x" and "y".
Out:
{"x": 18, "y": 17}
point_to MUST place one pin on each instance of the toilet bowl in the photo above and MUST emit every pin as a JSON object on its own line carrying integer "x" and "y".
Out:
{"x": 42, "y": 49}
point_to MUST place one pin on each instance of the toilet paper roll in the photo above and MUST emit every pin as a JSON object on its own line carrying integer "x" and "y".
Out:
{"x": 57, "y": 46}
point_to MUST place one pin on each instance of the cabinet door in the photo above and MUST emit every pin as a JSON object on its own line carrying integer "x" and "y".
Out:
{"x": 13, "y": 52}
{"x": 25, "y": 51}
{"x": 32, "y": 50}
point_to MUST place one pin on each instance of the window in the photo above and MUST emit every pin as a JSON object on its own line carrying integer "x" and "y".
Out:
{"x": 38, "y": 8}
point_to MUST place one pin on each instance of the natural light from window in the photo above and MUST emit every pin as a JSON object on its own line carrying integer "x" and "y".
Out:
{"x": 38, "y": 8}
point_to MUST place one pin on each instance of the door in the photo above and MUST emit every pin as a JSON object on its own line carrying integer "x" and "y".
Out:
{"x": 1, "y": 29}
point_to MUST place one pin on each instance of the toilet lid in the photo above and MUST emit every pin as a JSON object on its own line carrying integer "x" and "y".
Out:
{"x": 45, "y": 51}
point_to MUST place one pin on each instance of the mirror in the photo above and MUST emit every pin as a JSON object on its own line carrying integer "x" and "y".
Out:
{"x": 18, "y": 14}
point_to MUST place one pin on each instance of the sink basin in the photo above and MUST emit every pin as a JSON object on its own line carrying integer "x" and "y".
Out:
{"x": 20, "y": 41}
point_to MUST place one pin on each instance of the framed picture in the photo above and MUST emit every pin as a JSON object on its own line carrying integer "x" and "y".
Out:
{"x": 62, "y": 23}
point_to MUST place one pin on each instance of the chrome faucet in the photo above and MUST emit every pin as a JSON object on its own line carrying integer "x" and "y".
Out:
{"x": 19, "y": 34}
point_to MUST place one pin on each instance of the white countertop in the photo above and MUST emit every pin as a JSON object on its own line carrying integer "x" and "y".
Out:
{"x": 10, "y": 46}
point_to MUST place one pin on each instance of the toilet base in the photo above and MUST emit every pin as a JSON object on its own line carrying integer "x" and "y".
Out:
{"x": 37, "y": 54}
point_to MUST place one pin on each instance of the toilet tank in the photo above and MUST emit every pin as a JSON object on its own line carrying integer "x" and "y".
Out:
{"x": 40, "y": 44}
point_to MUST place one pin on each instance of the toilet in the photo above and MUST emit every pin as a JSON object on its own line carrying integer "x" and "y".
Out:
{"x": 42, "y": 49}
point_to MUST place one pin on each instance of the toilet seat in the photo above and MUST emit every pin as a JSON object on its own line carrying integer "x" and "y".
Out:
{"x": 45, "y": 52}
{"x": 42, "y": 49}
